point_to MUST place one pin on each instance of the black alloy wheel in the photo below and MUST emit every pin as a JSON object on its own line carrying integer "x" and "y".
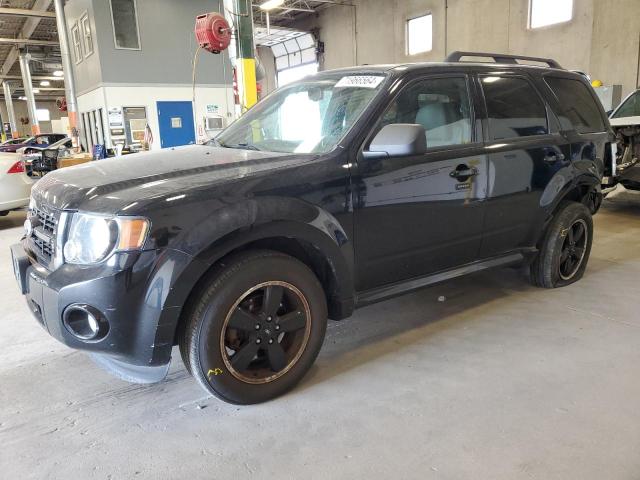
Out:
{"x": 254, "y": 326}
{"x": 565, "y": 248}
{"x": 265, "y": 332}
{"x": 573, "y": 249}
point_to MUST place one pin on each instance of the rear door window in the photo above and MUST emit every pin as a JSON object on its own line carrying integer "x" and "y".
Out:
{"x": 579, "y": 107}
{"x": 514, "y": 108}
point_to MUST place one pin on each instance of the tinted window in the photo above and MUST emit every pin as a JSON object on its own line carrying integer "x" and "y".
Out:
{"x": 579, "y": 108}
{"x": 125, "y": 24}
{"x": 630, "y": 108}
{"x": 441, "y": 105}
{"x": 514, "y": 108}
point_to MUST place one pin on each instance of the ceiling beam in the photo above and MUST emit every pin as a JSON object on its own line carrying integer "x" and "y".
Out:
{"x": 333, "y": 2}
{"x": 34, "y": 77}
{"x": 42, "y": 89}
{"x": 295, "y": 9}
{"x": 21, "y": 12}
{"x": 27, "y": 41}
{"x": 28, "y": 28}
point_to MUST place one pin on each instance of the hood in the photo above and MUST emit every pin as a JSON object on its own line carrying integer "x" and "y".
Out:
{"x": 106, "y": 186}
{"x": 12, "y": 148}
{"x": 625, "y": 121}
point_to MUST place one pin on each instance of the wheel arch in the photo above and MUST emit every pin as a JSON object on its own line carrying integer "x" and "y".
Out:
{"x": 585, "y": 189}
{"x": 315, "y": 238}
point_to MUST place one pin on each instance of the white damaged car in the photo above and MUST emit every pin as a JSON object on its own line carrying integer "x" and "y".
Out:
{"x": 15, "y": 186}
{"x": 625, "y": 120}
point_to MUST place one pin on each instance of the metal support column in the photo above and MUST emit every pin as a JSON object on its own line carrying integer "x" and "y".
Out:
{"x": 67, "y": 67}
{"x": 10, "y": 111}
{"x": 246, "y": 54}
{"x": 28, "y": 92}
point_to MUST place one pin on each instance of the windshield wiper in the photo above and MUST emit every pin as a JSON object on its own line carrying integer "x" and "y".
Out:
{"x": 242, "y": 146}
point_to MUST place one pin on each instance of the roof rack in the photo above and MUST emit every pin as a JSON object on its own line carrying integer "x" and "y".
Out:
{"x": 501, "y": 58}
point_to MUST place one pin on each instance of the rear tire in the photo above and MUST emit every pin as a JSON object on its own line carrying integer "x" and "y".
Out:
{"x": 565, "y": 249}
{"x": 255, "y": 327}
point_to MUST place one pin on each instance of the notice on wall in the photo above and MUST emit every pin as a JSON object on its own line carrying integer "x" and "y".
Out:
{"x": 212, "y": 109}
{"x": 115, "y": 117}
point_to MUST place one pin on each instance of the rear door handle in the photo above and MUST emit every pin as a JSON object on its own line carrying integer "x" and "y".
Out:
{"x": 462, "y": 173}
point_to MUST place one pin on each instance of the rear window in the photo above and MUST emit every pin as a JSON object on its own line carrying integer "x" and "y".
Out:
{"x": 514, "y": 108}
{"x": 579, "y": 107}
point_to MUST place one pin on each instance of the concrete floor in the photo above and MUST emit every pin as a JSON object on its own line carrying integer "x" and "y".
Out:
{"x": 499, "y": 381}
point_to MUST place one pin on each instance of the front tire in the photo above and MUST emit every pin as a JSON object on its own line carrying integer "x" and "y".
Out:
{"x": 255, "y": 328}
{"x": 565, "y": 249}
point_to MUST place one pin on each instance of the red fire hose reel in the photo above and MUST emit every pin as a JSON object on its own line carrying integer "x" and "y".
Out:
{"x": 213, "y": 32}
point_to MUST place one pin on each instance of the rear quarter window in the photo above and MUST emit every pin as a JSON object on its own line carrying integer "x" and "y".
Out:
{"x": 579, "y": 107}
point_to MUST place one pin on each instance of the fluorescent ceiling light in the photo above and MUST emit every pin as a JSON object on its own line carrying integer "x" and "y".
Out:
{"x": 271, "y": 4}
{"x": 45, "y": 83}
{"x": 58, "y": 73}
{"x": 22, "y": 98}
{"x": 36, "y": 90}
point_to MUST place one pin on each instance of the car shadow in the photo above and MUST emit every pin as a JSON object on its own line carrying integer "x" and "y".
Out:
{"x": 13, "y": 219}
{"x": 384, "y": 328}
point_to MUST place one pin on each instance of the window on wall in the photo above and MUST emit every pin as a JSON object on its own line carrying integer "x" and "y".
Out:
{"x": 43, "y": 115}
{"x": 420, "y": 34}
{"x": 514, "y": 108}
{"x": 87, "y": 37}
{"x": 77, "y": 43}
{"x": 124, "y": 18}
{"x": 549, "y": 12}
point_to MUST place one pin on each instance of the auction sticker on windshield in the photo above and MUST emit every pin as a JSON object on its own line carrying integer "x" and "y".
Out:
{"x": 360, "y": 81}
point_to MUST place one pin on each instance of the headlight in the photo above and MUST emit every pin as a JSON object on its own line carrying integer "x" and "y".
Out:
{"x": 93, "y": 238}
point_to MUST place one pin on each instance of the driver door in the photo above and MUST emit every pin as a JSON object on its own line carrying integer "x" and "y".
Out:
{"x": 418, "y": 215}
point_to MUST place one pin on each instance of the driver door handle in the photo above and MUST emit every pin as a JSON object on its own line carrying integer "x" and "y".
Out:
{"x": 553, "y": 157}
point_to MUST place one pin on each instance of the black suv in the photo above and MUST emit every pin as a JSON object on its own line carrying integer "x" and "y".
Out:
{"x": 334, "y": 192}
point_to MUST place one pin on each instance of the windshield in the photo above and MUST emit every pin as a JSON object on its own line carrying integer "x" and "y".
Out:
{"x": 310, "y": 116}
{"x": 630, "y": 107}
{"x": 60, "y": 143}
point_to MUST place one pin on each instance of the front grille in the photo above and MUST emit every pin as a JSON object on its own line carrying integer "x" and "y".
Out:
{"x": 48, "y": 220}
{"x": 42, "y": 238}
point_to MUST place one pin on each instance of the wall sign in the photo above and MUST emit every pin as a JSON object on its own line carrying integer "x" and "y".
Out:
{"x": 115, "y": 117}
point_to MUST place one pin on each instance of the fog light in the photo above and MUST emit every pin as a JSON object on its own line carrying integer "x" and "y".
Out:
{"x": 85, "y": 322}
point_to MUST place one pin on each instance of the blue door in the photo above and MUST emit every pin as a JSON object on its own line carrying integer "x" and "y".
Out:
{"x": 176, "y": 124}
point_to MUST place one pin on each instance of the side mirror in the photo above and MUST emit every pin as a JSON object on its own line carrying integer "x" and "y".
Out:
{"x": 398, "y": 140}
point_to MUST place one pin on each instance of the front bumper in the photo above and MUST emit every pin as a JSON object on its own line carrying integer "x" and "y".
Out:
{"x": 133, "y": 347}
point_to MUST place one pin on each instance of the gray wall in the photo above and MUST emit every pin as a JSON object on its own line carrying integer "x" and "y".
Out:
{"x": 88, "y": 72}
{"x": 602, "y": 38}
{"x": 167, "y": 41}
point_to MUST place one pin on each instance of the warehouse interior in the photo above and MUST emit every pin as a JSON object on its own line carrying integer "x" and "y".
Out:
{"x": 152, "y": 121}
